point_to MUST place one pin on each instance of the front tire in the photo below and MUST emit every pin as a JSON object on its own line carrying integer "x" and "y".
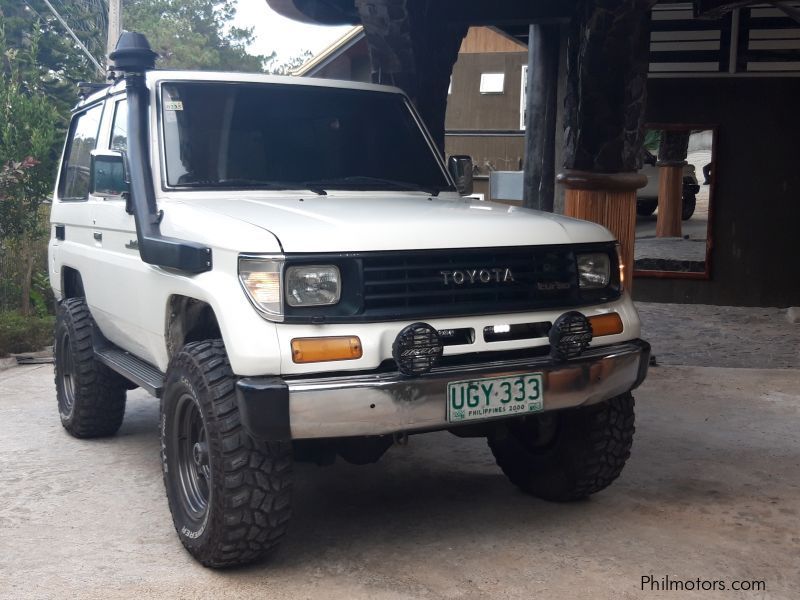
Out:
{"x": 91, "y": 397}
{"x": 229, "y": 495}
{"x": 568, "y": 455}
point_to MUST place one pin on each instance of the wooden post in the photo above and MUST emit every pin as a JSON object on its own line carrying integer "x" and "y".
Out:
{"x": 607, "y": 199}
{"x": 670, "y": 200}
{"x": 540, "y": 109}
{"x": 606, "y": 92}
{"x": 114, "y": 26}
{"x": 672, "y": 151}
{"x": 414, "y": 46}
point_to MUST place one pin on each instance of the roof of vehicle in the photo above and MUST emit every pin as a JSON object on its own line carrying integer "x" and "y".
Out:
{"x": 156, "y": 75}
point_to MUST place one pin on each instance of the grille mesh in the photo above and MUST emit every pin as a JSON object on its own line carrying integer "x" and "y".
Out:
{"x": 406, "y": 283}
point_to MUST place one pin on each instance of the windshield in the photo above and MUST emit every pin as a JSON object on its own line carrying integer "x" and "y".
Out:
{"x": 271, "y": 136}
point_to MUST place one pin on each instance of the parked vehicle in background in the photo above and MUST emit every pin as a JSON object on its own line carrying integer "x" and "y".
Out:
{"x": 647, "y": 197}
{"x": 289, "y": 265}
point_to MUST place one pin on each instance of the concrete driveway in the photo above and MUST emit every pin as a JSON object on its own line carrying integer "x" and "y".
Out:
{"x": 712, "y": 492}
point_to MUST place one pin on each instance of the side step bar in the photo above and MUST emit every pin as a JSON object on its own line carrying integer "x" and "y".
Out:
{"x": 132, "y": 368}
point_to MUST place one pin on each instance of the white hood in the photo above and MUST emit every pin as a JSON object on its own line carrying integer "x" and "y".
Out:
{"x": 359, "y": 221}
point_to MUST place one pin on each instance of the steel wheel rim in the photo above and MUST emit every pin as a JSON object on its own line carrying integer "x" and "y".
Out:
{"x": 193, "y": 468}
{"x": 67, "y": 375}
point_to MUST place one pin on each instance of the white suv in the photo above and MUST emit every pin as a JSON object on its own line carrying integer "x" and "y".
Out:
{"x": 292, "y": 269}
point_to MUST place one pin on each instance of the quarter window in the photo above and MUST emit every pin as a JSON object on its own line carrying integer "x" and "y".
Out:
{"x": 119, "y": 133}
{"x": 74, "y": 182}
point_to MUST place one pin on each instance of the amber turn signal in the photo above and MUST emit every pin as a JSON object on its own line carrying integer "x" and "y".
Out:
{"x": 309, "y": 350}
{"x": 607, "y": 324}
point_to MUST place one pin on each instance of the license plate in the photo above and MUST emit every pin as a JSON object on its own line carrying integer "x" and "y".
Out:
{"x": 494, "y": 397}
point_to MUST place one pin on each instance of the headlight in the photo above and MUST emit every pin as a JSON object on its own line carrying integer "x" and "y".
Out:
{"x": 261, "y": 279}
{"x": 594, "y": 270}
{"x": 313, "y": 285}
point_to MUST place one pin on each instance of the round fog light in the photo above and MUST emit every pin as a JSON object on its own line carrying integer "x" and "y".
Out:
{"x": 570, "y": 335}
{"x": 417, "y": 349}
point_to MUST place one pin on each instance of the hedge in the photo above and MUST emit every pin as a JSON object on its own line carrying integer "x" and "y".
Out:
{"x": 24, "y": 334}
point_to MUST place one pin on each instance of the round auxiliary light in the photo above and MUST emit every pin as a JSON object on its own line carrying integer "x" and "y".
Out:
{"x": 570, "y": 335}
{"x": 417, "y": 349}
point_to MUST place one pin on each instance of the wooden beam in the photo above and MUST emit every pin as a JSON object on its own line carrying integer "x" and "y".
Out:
{"x": 463, "y": 12}
{"x": 672, "y": 150}
{"x": 670, "y": 200}
{"x": 607, "y": 63}
{"x": 609, "y": 200}
{"x": 714, "y": 9}
{"x": 540, "y": 108}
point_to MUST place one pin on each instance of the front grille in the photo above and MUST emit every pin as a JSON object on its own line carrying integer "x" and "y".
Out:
{"x": 426, "y": 283}
{"x": 410, "y": 284}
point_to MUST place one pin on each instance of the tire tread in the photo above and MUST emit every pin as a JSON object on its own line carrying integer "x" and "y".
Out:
{"x": 254, "y": 479}
{"x": 99, "y": 406}
{"x": 593, "y": 446}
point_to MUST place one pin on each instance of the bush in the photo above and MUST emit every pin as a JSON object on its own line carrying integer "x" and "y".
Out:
{"x": 24, "y": 334}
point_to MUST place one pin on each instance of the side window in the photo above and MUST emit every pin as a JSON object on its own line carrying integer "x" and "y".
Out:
{"x": 119, "y": 133}
{"x": 74, "y": 182}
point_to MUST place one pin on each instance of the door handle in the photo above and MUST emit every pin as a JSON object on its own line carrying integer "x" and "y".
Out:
{"x": 132, "y": 245}
{"x": 98, "y": 236}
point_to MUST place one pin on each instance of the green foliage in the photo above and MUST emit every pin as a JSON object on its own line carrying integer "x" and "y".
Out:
{"x": 41, "y": 294}
{"x": 28, "y": 148}
{"x": 28, "y": 154}
{"x": 193, "y": 34}
{"x": 652, "y": 139}
{"x": 24, "y": 334}
{"x": 286, "y": 67}
{"x": 44, "y": 53}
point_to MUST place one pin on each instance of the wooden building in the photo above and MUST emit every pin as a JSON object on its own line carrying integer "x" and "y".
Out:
{"x": 485, "y": 105}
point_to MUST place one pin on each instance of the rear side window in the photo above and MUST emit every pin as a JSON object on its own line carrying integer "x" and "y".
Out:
{"x": 74, "y": 182}
{"x": 119, "y": 133}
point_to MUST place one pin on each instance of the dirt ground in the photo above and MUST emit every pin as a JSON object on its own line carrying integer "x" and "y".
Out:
{"x": 712, "y": 491}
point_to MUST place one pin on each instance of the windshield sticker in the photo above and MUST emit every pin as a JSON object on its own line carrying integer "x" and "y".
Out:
{"x": 173, "y": 105}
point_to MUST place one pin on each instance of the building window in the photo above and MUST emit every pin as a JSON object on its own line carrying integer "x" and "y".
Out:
{"x": 492, "y": 83}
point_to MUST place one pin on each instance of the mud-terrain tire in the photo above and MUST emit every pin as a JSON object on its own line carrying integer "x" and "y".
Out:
{"x": 229, "y": 495}
{"x": 91, "y": 397}
{"x": 579, "y": 451}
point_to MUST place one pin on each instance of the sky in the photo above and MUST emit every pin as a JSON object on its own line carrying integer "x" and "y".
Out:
{"x": 285, "y": 36}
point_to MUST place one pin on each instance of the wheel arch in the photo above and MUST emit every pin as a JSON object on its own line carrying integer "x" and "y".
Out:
{"x": 71, "y": 283}
{"x": 189, "y": 320}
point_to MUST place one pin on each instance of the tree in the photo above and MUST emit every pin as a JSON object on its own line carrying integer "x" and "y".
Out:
{"x": 193, "y": 34}
{"x": 46, "y": 57}
{"x": 28, "y": 157}
{"x": 286, "y": 67}
{"x": 28, "y": 138}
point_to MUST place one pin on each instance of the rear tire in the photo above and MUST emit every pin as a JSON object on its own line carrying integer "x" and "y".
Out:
{"x": 91, "y": 397}
{"x": 570, "y": 454}
{"x": 229, "y": 495}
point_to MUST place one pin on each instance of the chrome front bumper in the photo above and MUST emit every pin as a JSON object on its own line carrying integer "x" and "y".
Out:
{"x": 386, "y": 403}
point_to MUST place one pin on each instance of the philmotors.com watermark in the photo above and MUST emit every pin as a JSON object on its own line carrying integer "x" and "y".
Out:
{"x": 651, "y": 583}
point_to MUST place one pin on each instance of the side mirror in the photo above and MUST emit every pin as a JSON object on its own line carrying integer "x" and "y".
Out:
{"x": 460, "y": 168}
{"x": 108, "y": 177}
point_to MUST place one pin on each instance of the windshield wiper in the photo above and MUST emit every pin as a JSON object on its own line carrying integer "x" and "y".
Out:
{"x": 365, "y": 180}
{"x": 256, "y": 183}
